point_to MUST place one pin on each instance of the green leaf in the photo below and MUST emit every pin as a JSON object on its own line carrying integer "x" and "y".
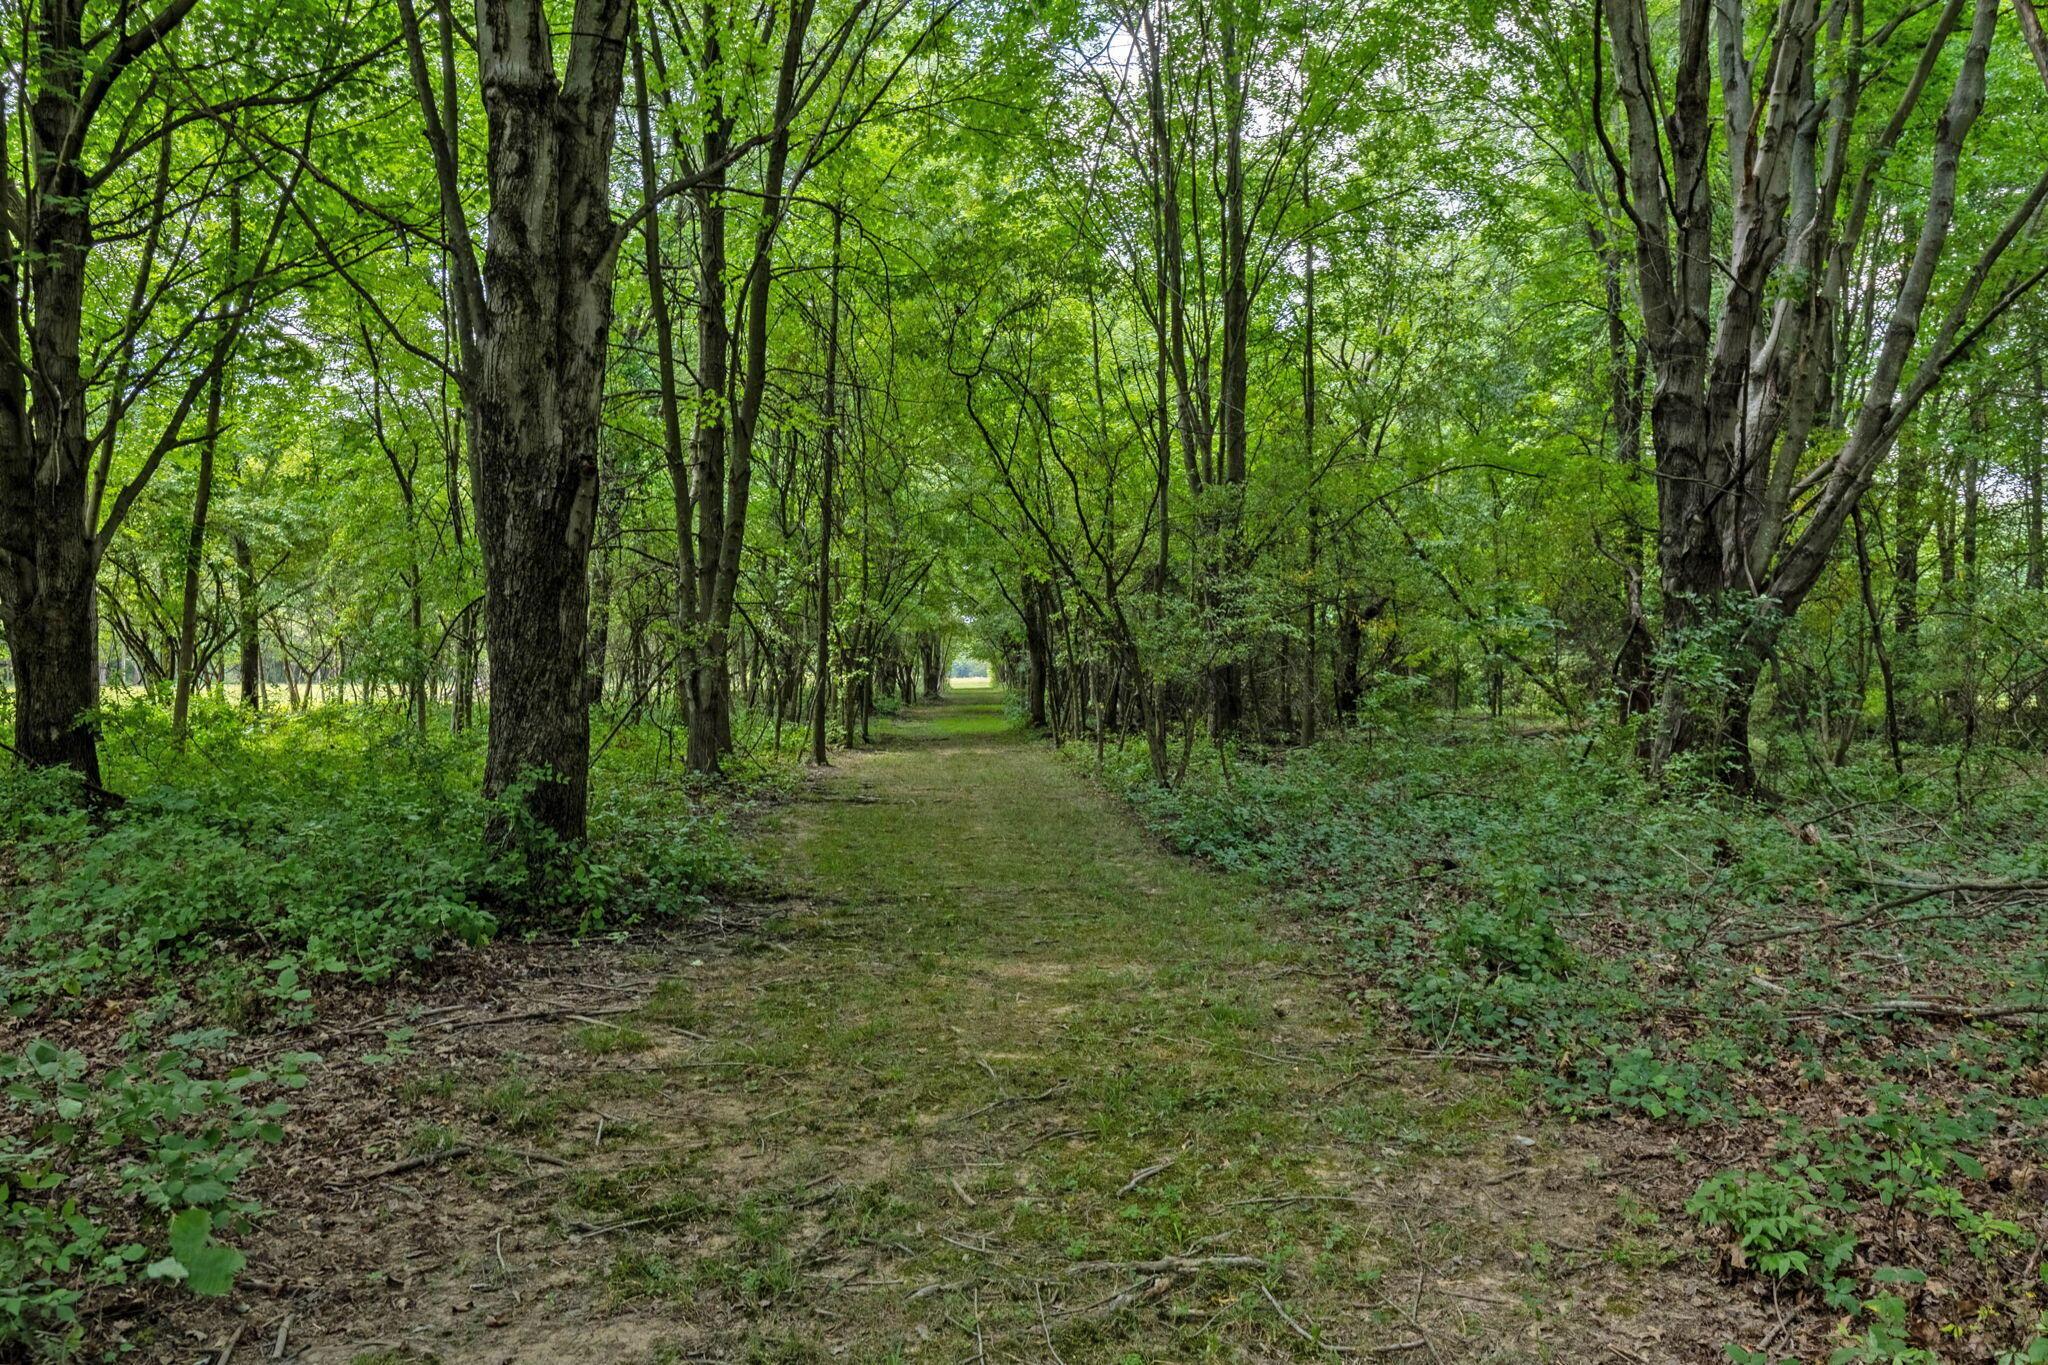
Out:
{"x": 209, "y": 1268}
{"x": 168, "y": 1268}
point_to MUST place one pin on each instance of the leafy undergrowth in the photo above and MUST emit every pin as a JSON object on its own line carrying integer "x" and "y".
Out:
{"x": 281, "y": 847}
{"x": 124, "y": 1172}
{"x": 1835, "y": 1006}
{"x": 275, "y": 854}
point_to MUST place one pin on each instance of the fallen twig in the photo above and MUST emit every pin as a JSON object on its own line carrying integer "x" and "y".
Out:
{"x": 1172, "y": 1265}
{"x": 1142, "y": 1176}
{"x": 1008, "y": 1100}
{"x": 1927, "y": 1009}
{"x": 1918, "y": 892}
{"x": 413, "y": 1163}
{"x": 1136, "y": 1292}
{"x": 1297, "y": 1199}
{"x": 1038, "y": 1291}
{"x": 1310, "y": 1337}
{"x": 552, "y": 1012}
{"x": 605, "y": 1229}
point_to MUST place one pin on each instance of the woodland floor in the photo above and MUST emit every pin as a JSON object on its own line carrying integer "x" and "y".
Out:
{"x": 993, "y": 1078}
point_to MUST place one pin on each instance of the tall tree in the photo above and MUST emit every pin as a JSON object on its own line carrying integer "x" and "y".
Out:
{"x": 535, "y": 312}
{"x": 1740, "y": 332}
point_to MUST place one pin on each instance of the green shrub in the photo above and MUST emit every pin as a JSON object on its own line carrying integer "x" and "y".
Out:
{"x": 1663, "y": 952}
{"x": 279, "y": 847}
{"x": 150, "y": 1147}
{"x": 1777, "y": 1224}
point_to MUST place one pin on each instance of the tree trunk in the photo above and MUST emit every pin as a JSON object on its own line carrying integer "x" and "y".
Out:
{"x": 726, "y": 450}
{"x": 536, "y": 321}
{"x": 48, "y": 554}
{"x": 828, "y": 477}
{"x": 1311, "y": 690}
{"x": 1743, "y": 368}
{"x": 708, "y": 453}
{"x": 931, "y": 660}
{"x": 195, "y": 546}
{"x": 1037, "y": 652}
{"x": 1908, "y": 531}
{"x": 1877, "y": 645}
{"x": 56, "y": 673}
{"x": 2037, "y": 451}
{"x": 248, "y": 624}
{"x": 1227, "y": 681}
{"x": 596, "y": 646}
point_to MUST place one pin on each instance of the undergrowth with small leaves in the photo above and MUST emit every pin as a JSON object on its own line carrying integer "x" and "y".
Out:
{"x": 277, "y": 847}
{"x": 125, "y": 1172}
{"x": 1865, "y": 1080}
{"x": 270, "y": 852}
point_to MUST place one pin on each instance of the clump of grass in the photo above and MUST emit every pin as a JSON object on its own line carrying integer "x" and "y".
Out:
{"x": 660, "y": 1193}
{"x": 516, "y": 1105}
{"x": 604, "y": 1040}
{"x": 635, "y": 1274}
{"x": 430, "y": 1138}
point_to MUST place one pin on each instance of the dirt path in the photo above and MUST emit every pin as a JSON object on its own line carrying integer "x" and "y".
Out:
{"x": 1001, "y": 1080}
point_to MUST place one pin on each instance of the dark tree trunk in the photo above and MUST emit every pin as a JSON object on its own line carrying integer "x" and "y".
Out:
{"x": 1744, "y": 369}
{"x": 48, "y": 554}
{"x": 2037, "y": 451}
{"x": 596, "y": 647}
{"x": 1909, "y": 529}
{"x": 1037, "y": 651}
{"x": 1350, "y": 651}
{"x": 708, "y": 452}
{"x": 725, "y": 455}
{"x": 1227, "y": 680}
{"x": 536, "y": 321}
{"x": 55, "y": 520}
{"x": 56, "y": 674}
{"x": 416, "y": 666}
{"x": 248, "y": 624}
{"x": 828, "y": 482}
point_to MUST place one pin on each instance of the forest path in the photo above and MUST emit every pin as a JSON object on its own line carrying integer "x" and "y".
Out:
{"x": 1000, "y": 1079}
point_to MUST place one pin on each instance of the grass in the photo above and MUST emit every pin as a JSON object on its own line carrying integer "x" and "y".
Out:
{"x": 1000, "y": 1076}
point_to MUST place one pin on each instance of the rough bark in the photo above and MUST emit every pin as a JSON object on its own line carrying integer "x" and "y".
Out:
{"x": 725, "y": 452}
{"x": 248, "y": 624}
{"x": 1037, "y": 652}
{"x": 828, "y": 478}
{"x": 53, "y": 533}
{"x": 1744, "y": 367}
{"x": 536, "y": 316}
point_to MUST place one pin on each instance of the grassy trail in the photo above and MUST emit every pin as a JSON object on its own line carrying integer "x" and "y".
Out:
{"x": 1001, "y": 1080}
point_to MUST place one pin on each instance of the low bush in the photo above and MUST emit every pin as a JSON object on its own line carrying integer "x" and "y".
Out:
{"x": 277, "y": 848}
{"x": 269, "y": 852}
{"x": 1671, "y": 956}
{"x": 126, "y": 1174}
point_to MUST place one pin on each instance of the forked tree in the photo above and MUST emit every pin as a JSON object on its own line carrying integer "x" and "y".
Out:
{"x": 1766, "y": 441}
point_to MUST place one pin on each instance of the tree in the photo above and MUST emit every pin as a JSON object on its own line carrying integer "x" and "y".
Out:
{"x": 1758, "y": 467}
{"x": 533, "y": 316}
